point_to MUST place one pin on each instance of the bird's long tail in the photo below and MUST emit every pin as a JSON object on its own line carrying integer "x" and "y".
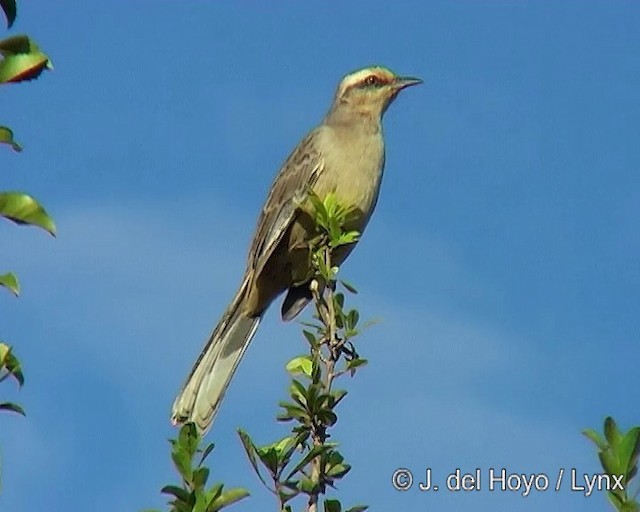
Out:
{"x": 204, "y": 389}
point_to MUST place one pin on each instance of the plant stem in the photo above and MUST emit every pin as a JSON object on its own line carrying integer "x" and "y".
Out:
{"x": 324, "y": 303}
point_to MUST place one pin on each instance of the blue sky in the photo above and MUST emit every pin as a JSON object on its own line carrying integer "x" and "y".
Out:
{"x": 502, "y": 258}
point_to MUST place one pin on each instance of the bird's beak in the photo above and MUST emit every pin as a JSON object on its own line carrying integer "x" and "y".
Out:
{"x": 406, "y": 81}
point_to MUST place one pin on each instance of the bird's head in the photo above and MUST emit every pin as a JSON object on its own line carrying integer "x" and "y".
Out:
{"x": 370, "y": 91}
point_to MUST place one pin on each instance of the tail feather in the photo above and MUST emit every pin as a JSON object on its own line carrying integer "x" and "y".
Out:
{"x": 204, "y": 389}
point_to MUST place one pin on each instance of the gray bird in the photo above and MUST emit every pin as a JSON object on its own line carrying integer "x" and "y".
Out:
{"x": 344, "y": 155}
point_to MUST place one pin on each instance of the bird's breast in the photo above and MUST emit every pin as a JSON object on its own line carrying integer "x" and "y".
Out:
{"x": 353, "y": 167}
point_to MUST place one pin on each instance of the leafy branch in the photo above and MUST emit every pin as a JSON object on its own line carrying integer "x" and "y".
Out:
{"x": 21, "y": 60}
{"x": 192, "y": 494}
{"x": 306, "y": 463}
{"x": 618, "y": 453}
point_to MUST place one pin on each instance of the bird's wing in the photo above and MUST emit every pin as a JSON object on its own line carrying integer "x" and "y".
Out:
{"x": 298, "y": 174}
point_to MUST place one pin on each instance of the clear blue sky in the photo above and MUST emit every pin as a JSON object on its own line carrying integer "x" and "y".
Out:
{"x": 502, "y": 258}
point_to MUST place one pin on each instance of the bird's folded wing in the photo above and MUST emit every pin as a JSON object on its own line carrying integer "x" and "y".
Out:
{"x": 298, "y": 174}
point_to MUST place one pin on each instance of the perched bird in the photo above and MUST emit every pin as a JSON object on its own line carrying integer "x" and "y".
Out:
{"x": 344, "y": 155}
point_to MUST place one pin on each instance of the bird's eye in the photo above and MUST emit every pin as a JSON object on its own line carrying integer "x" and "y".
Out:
{"x": 372, "y": 80}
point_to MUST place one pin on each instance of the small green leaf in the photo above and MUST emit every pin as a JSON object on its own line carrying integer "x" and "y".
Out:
{"x": 228, "y": 498}
{"x": 205, "y": 453}
{"x": 6, "y": 137}
{"x": 22, "y": 60}
{"x": 349, "y": 287}
{"x": 611, "y": 432}
{"x": 314, "y": 452}
{"x": 628, "y": 449}
{"x": 356, "y": 363}
{"x": 310, "y": 337}
{"x": 178, "y": 492}
{"x": 10, "y": 281}
{"x": 10, "y": 364}
{"x": 616, "y": 500}
{"x": 610, "y": 463}
{"x": 10, "y": 11}
{"x": 212, "y": 494}
{"x": 336, "y": 396}
{"x": 358, "y": 508}
{"x": 352, "y": 318}
{"x": 339, "y": 470}
{"x": 298, "y": 392}
{"x": 292, "y": 412}
{"x": 24, "y": 209}
{"x": 283, "y": 445}
{"x": 189, "y": 439}
{"x": 182, "y": 461}
{"x": 200, "y": 477}
{"x": 327, "y": 417}
{"x": 307, "y": 485}
{"x": 9, "y": 406}
{"x": 332, "y": 506}
{"x": 251, "y": 452}
{"x": 595, "y": 437}
{"x": 300, "y": 365}
{"x": 269, "y": 457}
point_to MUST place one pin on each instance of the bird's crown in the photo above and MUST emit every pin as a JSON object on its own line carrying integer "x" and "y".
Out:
{"x": 374, "y": 76}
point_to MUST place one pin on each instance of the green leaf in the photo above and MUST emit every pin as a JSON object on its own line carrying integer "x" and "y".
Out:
{"x": 206, "y": 453}
{"x": 298, "y": 392}
{"x": 313, "y": 341}
{"x": 327, "y": 417}
{"x": 356, "y": 363}
{"x": 251, "y": 452}
{"x": 358, "y": 508}
{"x": 595, "y": 437}
{"x": 6, "y": 137}
{"x": 628, "y": 449}
{"x": 283, "y": 446}
{"x": 314, "y": 452}
{"x": 182, "y": 462}
{"x": 212, "y": 494}
{"x": 352, "y": 318}
{"x": 24, "y": 209}
{"x": 9, "y": 406}
{"x": 336, "y": 396}
{"x": 269, "y": 457}
{"x": 616, "y": 500}
{"x": 344, "y": 238}
{"x": 349, "y": 287}
{"x": 332, "y": 506}
{"x": 300, "y": 365}
{"x": 610, "y": 463}
{"x": 10, "y": 11}
{"x": 292, "y": 412}
{"x": 200, "y": 476}
{"x": 228, "y": 498}
{"x": 23, "y": 60}
{"x": 178, "y": 492}
{"x": 611, "y": 432}
{"x": 339, "y": 470}
{"x": 189, "y": 439}
{"x": 10, "y": 281}
{"x": 10, "y": 364}
{"x": 307, "y": 485}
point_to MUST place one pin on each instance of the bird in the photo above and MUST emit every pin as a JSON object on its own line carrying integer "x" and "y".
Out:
{"x": 344, "y": 155}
